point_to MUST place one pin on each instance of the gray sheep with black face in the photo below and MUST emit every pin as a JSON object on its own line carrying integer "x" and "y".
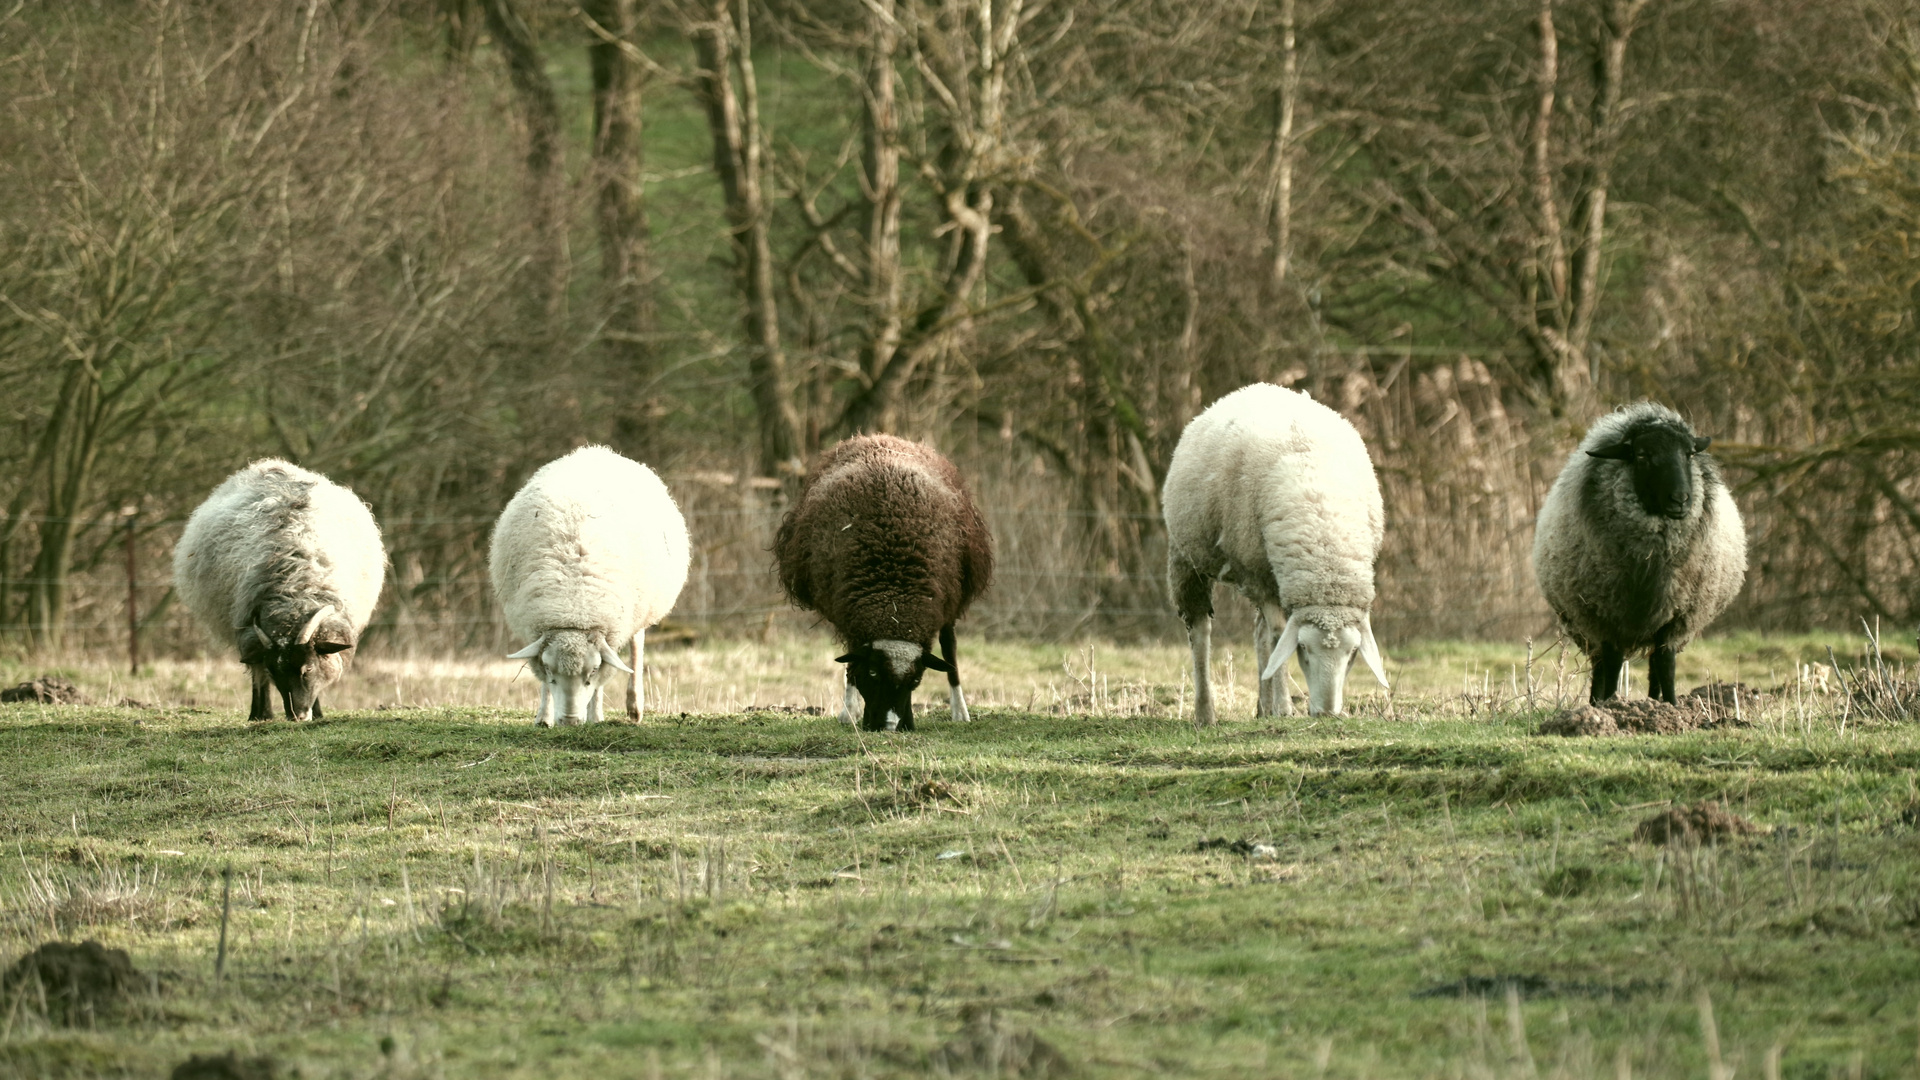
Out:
{"x": 286, "y": 566}
{"x": 1639, "y": 545}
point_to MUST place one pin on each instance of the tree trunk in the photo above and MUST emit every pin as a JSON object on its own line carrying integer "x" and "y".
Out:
{"x": 882, "y": 190}
{"x": 724, "y": 46}
{"x": 546, "y": 172}
{"x": 620, "y": 212}
{"x": 1280, "y": 179}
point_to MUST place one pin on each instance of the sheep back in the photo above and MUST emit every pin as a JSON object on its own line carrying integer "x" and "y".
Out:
{"x": 1613, "y": 573}
{"x": 271, "y": 545}
{"x": 592, "y": 541}
{"x": 1278, "y": 490}
{"x": 885, "y": 542}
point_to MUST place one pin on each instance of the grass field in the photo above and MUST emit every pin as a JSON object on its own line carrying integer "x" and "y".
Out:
{"x": 422, "y": 884}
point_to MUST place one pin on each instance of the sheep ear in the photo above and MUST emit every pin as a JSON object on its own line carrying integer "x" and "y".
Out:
{"x": 530, "y": 651}
{"x": 1284, "y": 649}
{"x": 852, "y": 657}
{"x": 1370, "y": 652}
{"x": 607, "y": 655}
{"x": 1700, "y": 443}
{"x": 1620, "y": 451}
{"x": 934, "y": 663}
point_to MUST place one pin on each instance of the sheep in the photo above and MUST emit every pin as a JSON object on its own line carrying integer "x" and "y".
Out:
{"x": 287, "y": 565}
{"x": 589, "y": 553}
{"x": 1273, "y": 492}
{"x": 1639, "y": 545}
{"x": 885, "y": 542}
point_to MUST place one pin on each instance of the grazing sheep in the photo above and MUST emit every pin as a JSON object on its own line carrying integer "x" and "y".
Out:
{"x": 1639, "y": 545}
{"x": 287, "y": 565}
{"x": 1273, "y": 492}
{"x": 589, "y": 553}
{"x": 886, "y": 543}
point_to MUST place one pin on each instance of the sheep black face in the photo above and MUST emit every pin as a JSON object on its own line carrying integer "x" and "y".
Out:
{"x": 300, "y": 667}
{"x": 1661, "y": 457}
{"x": 885, "y": 674}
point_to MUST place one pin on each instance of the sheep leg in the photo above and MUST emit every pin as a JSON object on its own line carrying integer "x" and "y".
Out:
{"x": 1262, "y": 648}
{"x": 1193, "y": 598}
{"x": 262, "y": 695}
{"x": 1606, "y": 672}
{"x": 597, "y": 712}
{"x": 852, "y": 708}
{"x": 955, "y": 699}
{"x": 636, "y": 694}
{"x": 1660, "y": 669}
{"x": 543, "y": 716}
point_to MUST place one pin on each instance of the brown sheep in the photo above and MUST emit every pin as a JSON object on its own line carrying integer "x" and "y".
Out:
{"x": 887, "y": 545}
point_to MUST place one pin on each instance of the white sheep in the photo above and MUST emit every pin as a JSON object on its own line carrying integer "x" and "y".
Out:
{"x": 1273, "y": 492}
{"x": 589, "y": 553}
{"x": 287, "y": 565}
{"x": 1639, "y": 544}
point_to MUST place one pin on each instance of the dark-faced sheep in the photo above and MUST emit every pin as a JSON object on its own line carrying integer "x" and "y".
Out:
{"x": 1274, "y": 492}
{"x": 1639, "y": 544}
{"x": 287, "y": 566}
{"x": 887, "y": 545}
{"x": 589, "y": 553}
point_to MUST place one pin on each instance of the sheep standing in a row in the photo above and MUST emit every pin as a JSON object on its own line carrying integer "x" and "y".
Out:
{"x": 1639, "y": 544}
{"x": 1274, "y": 492}
{"x": 287, "y": 566}
{"x": 589, "y": 553}
{"x": 886, "y": 544}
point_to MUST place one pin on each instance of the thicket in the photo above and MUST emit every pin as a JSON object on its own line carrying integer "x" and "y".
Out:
{"x": 426, "y": 246}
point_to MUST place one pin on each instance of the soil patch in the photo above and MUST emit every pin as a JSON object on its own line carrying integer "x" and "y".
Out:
{"x": 79, "y": 983}
{"x": 1252, "y": 849}
{"x": 47, "y": 690}
{"x": 227, "y": 1066}
{"x": 1702, "y": 823}
{"x": 988, "y": 1045}
{"x": 1527, "y": 986}
{"x": 1707, "y": 706}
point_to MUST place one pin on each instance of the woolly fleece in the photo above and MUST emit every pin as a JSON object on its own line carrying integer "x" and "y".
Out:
{"x": 1613, "y": 573}
{"x": 272, "y": 545}
{"x": 884, "y": 542}
{"x": 1276, "y": 490}
{"x": 593, "y": 541}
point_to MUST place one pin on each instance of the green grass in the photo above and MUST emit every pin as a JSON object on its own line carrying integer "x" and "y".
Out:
{"x": 449, "y": 892}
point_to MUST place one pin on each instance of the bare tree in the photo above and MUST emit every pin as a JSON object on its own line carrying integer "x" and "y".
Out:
{"x": 629, "y": 326}
{"x": 546, "y": 155}
{"x": 723, "y": 41}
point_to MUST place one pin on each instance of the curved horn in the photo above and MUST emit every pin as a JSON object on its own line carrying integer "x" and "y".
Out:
{"x": 1284, "y": 648}
{"x": 1370, "y": 652}
{"x": 313, "y": 624}
{"x": 531, "y": 650}
{"x": 608, "y": 655}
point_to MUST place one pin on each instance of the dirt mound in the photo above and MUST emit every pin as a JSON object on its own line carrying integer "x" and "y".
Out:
{"x": 227, "y": 1066}
{"x": 1580, "y": 720}
{"x": 1725, "y": 703}
{"x": 47, "y": 690}
{"x": 989, "y": 1045}
{"x": 1702, "y": 823}
{"x": 1707, "y": 706}
{"x": 79, "y": 983}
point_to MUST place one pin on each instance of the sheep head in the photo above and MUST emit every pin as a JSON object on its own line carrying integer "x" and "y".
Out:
{"x": 886, "y": 673}
{"x": 1659, "y": 454}
{"x": 573, "y": 667}
{"x": 1326, "y": 639}
{"x": 303, "y": 663}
